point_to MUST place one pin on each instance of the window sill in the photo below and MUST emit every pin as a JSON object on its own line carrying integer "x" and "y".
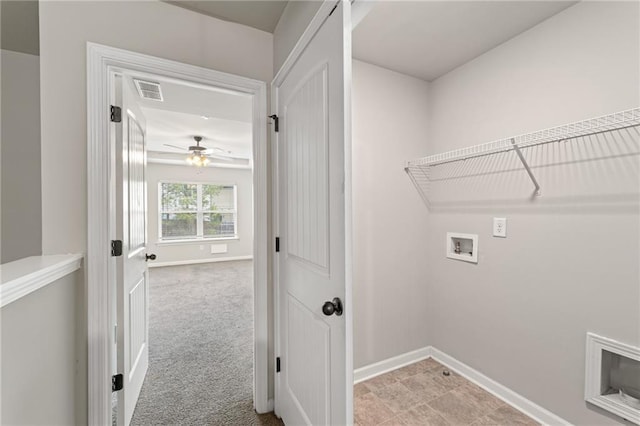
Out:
{"x": 194, "y": 241}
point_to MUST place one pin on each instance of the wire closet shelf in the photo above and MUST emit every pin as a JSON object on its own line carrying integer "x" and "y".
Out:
{"x": 418, "y": 169}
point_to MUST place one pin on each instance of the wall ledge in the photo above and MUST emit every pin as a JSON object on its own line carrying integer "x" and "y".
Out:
{"x": 24, "y": 276}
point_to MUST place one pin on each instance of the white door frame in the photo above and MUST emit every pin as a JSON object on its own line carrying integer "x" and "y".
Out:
{"x": 306, "y": 37}
{"x": 102, "y": 61}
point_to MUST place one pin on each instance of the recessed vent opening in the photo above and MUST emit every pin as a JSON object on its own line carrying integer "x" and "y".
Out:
{"x": 148, "y": 90}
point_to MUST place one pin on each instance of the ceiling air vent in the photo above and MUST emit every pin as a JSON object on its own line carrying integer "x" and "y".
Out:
{"x": 148, "y": 90}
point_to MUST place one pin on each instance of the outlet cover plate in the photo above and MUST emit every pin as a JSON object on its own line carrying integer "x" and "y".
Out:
{"x": 500, "y": 227}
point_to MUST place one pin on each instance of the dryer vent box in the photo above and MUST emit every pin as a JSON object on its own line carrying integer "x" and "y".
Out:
{"x": 462, "y": 247}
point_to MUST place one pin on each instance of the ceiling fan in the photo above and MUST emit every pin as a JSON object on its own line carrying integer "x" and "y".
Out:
{"x": 199, "y": 155}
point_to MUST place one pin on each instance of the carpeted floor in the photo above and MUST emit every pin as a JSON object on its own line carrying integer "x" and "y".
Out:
{"x": 200, "y": 347}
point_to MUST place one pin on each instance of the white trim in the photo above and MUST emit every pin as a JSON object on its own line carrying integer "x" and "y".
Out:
{"x": 102, "y": 62}
{"x": 27, "y": 275}
{"x": 194, "y": 241}
{"x": 376, "y": 369}
{"x": 517, "y": 401}
{"x": 198, "y": 261}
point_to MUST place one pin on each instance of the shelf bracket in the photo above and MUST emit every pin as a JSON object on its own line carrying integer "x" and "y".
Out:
{"x": 526, "y": 166}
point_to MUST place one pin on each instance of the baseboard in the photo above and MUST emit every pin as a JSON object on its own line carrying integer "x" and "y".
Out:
{"x": 390, "y": 364}
{"x": 512, "y": 398}
{"x": 519, "y": 402}
{"x": 267, "y": 407}
{"x": 194, "y": 262}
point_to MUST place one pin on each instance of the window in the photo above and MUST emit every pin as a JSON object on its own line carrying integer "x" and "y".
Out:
{"x": 191, "y": 211}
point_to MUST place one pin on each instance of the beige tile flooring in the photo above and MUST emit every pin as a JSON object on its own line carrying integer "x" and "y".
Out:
{"x": 421, "y": 395}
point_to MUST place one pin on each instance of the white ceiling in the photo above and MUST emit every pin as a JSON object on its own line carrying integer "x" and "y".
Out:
{"x": 263, "y": 14}
{"x": 180, "y": 117}
{"x": 427, "y": 39}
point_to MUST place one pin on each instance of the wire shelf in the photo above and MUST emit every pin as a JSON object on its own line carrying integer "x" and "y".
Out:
{"x": 419, "y": 169}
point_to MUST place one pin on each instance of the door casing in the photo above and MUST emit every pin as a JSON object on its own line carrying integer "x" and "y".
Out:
{"x": 102, "y": 63}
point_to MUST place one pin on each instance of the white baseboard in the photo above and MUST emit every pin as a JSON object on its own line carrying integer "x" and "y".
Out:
{"x": 390, "y": 364}
{"x": 512, "y": 398}
{"x": 194, "y": 262}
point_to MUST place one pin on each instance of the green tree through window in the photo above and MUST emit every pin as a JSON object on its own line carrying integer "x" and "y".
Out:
{"x": 197, "y": 211}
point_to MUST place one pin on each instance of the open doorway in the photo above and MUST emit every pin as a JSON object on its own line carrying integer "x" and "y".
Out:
{"x": 107, "y": 66}
{"x": 198, "y": 344}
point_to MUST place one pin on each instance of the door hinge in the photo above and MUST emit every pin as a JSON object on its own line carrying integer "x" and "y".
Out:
{"x": 277, "y": 244}
{"x": 276, "y": 122}
{"x": 116, "y": 247}
{"x": 116, "y": 382}
{"x": 278, "y": 365}
{"x": 116, "y": 114}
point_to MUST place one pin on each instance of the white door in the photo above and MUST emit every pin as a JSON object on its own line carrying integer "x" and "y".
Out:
{"x": 314, "y": 385}
{"x": 132, "y": 290}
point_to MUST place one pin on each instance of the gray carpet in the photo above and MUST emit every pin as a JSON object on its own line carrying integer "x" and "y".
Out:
{"x": 200, "y": 347}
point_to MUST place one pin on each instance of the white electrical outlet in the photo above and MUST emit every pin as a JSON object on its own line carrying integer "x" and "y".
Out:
{"x": 500, "y": 227}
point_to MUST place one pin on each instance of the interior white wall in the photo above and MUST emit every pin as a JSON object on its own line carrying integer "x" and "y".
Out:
{"x": 20, "y": 171}
{"x": 390, "y": 233}
{"x": 38, "y": 356}
{"x": 570, "y": 261}
{"x": 142, "y": 27}
{"x": 243, "y": 246}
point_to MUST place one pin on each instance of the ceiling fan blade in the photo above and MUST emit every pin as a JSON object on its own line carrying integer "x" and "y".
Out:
{"x": 218, "y": 151}
{"x": 174, "y": 146}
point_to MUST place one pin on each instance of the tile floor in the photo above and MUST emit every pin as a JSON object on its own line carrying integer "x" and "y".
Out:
{"x": 421, "y": 395}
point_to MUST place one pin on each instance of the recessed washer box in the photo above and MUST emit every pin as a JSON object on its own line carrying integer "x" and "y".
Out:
{"x": 462, "y": 247}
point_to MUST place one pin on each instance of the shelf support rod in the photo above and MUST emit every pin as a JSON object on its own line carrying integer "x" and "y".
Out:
{"x": 420, "y": 191}
{"x": 526, "y": 166}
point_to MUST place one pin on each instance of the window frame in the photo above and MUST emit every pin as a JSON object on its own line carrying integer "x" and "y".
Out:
{"x": 199, "y": 212}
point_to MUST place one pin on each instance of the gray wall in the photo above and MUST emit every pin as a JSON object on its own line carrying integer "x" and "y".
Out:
{"x": 294, "y": 20}
{"x": 21, "y": 212}
{"x": 570, "y": 261}
{"x": 243, "y": 246}
{"x": 390, "y": 233}
{"x": 19, "y": 26}
{"x": 20, "y": 168}
{"x": 39, "y": 356}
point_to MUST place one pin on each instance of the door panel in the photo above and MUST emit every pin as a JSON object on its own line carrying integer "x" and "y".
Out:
{"x": 132, "y": 288}
{"x": 138, "y": 324}
{"x": 136, "y": 186}
{"x": 309, "y": 351}
{"x": 307, "y": 153}
{"x": 314, "y": 385}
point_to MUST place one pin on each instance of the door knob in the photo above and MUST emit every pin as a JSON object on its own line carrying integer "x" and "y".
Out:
{"x": 332, "y": 307}
{"x": 149, "y": 256}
